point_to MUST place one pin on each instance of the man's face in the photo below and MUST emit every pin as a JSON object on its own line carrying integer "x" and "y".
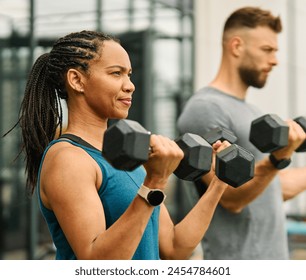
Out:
{"x": 259, "y": 56}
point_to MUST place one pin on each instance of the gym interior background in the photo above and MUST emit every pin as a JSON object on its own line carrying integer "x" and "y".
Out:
{"x": 175, "y": 49}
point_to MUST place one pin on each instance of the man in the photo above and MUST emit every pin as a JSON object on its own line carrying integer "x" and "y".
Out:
{"x": 249, "y": 222}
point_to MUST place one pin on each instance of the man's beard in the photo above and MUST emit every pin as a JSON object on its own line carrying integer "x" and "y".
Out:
{"x": 251, "y": 77}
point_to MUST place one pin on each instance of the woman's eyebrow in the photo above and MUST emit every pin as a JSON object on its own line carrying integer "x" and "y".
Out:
{"x": 122, "y": 68}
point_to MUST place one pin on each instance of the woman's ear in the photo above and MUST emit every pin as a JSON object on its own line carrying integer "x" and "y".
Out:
{"x": 75, "y": 80}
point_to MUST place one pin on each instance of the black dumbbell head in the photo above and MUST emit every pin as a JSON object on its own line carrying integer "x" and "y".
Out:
{"x": 197, "y": 157}
{"x": 220, "y": 133}
{"x": 235, "y": 165}
{"x": 126, "y": 145}
{"x": 269, "y": 133}
{"x": 302, "y": 122}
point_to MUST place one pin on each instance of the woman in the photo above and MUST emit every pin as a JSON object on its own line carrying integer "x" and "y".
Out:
{"x": 94, "y": 211}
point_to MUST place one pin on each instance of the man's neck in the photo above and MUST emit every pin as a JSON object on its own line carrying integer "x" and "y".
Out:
{"x": 230, "y": 87}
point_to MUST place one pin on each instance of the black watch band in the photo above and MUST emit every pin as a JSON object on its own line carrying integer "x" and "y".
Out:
{"x": 279, "y": 163}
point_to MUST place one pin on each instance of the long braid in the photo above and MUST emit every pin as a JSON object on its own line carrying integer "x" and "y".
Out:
{"x": 39, "y": 117}
{"x": 41, "y": 111}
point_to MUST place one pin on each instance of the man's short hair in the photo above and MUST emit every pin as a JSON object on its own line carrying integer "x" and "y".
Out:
{"x": 252, "y": 17}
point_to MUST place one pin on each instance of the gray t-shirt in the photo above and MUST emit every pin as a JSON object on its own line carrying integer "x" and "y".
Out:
{"x": 258, "y": 232}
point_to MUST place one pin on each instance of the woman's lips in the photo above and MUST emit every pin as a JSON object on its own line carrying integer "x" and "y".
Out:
{"x": 126, "y": 101}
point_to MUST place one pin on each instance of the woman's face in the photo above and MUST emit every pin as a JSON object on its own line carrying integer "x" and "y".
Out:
{"x": 108, "y": 88}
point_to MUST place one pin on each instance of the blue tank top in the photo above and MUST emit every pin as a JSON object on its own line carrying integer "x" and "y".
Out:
{"x": 117, "y": 191}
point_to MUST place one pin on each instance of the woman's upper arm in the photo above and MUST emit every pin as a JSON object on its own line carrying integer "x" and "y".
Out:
{"x": 69, "y": 182}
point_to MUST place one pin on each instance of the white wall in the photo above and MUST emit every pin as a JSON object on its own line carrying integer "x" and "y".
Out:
{"x": 284, "y": 93}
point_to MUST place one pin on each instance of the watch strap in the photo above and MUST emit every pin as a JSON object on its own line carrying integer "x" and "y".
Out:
{"x": 279, "y": 163}
{"x": 144, "y": 192}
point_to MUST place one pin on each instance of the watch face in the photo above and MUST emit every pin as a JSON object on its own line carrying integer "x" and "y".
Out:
{"x": 155, "y": 197}
{"x": 284, "y": 163}
{"x": 279, "y": 164}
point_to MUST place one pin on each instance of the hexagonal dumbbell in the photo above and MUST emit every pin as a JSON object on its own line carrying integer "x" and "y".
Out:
{"x": 197, "y": 157}
{"x": 234, "y": 165}
{"x": 302, "y": 122}
{"x": 126, "y": 145}
{"x": 270, "y": 133}
{"x": 220, "y": 133}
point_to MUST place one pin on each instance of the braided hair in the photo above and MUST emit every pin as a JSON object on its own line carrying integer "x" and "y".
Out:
{"x": 41, "y": 111}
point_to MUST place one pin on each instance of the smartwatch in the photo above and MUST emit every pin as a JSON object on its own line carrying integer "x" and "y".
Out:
{"x": 279, "y": 163}
{"x": 153, "y": 196}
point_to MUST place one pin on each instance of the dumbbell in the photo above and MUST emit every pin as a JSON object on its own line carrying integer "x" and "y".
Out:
{"x": 220, "y": 133}
{"x": 270, "y": 133}
{"x": 302, "y": 122}
{"x": 234, "y": 165}
{"x": 126, "y": 145}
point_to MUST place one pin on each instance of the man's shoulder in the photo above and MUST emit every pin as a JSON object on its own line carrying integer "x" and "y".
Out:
{"x": 206, "y": 90}
{"x": 209, "y": 93}
{"x": 206, "y": 98}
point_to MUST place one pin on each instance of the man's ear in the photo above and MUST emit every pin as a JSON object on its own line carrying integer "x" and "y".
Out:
{"x": 236, "y": 46}
{"x": 75, "y": 80}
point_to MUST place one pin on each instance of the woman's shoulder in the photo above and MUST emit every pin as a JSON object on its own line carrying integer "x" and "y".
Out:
{"x": 63, "y": 158}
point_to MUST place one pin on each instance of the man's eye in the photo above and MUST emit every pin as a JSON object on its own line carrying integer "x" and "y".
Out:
{"x": 268, "y": 50}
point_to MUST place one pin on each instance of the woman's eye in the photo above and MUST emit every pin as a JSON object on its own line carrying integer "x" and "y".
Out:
{"x": 117, "y": 73}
